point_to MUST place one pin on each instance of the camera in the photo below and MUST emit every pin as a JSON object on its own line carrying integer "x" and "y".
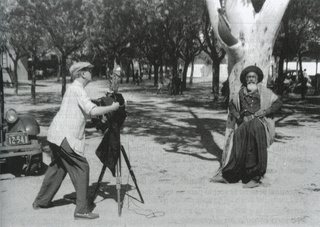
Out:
{"x": 109, "y": 120}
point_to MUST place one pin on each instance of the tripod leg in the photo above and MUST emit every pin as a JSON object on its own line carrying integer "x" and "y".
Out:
{"x": 98, "y": 183}
{"x": 131, "y": 172}
{"x": 118, "y": 185}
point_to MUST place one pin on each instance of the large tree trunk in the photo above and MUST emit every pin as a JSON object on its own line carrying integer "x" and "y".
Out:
{"x": 15, "y": 76}
{"x": 33, "y": 82}
{"x": 184, "y": 75}
{"x": 63, "y": 73}
{"x": 150, "y": 72}
{"x": 303, "y": 81}
{"x": 59, "y": 68}
{"x": 191, "y": 73}
{"x": 174, "y": 66}
{"x": 281, "y": 77}
{"x": 156, "y": 75}
{"x": 215, "y": 80}
{"x": 248, "y": 38}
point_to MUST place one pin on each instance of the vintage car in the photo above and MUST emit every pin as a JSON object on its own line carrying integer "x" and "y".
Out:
{"x": 20, "y": 149}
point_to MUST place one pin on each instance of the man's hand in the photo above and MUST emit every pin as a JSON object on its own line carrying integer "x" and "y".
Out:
{"x": 239, "y": 121}
{"x": 115, "y": 105}
{"x": 260, "y": 113}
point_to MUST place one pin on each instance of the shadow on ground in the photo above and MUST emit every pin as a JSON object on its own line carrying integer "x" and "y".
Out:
{"x": 178, "y": 120}
{"x": 178, "y": 126}
{"x": 104, "y": 192}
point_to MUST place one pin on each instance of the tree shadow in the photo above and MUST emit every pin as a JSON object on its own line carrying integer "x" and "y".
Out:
{"x": 202, "y": 103}
{"x": 279, "y": 138}
{"x": 42, "y": 98}
{"x": 177, "y": 125}
{"x": 302, "y": 114}
{"x": 203, "y": 128}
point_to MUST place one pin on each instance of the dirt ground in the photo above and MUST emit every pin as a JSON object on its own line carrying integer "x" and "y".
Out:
{"x": 174, "y": 144}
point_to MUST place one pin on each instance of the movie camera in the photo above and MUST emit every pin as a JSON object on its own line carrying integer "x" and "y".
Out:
{"x": 116, "y": 117}
{"x": 110, "y": 149}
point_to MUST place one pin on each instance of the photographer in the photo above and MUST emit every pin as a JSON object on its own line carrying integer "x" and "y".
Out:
{"x": 66, "y": 137}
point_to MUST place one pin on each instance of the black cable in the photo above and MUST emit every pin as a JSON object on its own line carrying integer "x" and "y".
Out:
{"x": 148, "y": 213}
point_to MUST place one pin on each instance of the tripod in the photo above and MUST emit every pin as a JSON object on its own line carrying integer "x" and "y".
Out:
{"x": 118, "y": 179}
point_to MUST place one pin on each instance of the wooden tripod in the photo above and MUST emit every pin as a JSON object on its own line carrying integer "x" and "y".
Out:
{"x": 118, "y": 179}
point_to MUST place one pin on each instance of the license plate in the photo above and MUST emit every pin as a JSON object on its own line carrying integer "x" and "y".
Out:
{"x": 17, "y": 138}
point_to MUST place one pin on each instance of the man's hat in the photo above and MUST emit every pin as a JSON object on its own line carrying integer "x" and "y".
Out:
{"x": 117, "y": 70}
{"x": 251, "y": 68}
{"x": 78, "y": 66}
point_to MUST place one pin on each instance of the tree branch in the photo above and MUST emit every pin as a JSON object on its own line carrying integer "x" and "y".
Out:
{"x": 225, "y": 32}
{"x": 220, "y": 24}
{"x": 241, "y": 16}
{"x": 271, "y": 14}
{"x": 213, "y": 7}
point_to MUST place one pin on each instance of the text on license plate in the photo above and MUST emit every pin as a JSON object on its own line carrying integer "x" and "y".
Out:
{"x": 17, "y": 138}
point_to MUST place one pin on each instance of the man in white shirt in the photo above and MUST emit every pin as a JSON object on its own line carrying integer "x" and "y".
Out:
{"x": 66, "y": 137}
{"x": 306, "y": 76}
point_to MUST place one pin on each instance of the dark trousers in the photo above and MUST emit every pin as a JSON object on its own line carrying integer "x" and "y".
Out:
{"x": 248, "y": 158}
{"x": 65, "y": 160}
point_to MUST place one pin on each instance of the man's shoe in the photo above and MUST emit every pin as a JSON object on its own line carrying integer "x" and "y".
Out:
{"x": 90, "y": 215}
{"x": 252, "y": 184}
{"x": 218, "y": 179}
{"x": 36, "y": 206}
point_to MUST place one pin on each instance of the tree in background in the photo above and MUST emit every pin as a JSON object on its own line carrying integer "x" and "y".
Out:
{"x": 298, "y": 37}
{"x": 67, "y": 23}
{"x": 151, "y": 40}
{"x": 212, "y": 47}
{"x": 15, "y": 48}
{"x": 166, "y": 33}
{"x": 191, "y": 42}
{"x": 302, "y": 25}
{"x": 282, "y": 52}
{"x": 115, "y": 33}
{"x": 181, "y": 19}
{"x": 14, "y": 37}
{"x": 35, "y": 42}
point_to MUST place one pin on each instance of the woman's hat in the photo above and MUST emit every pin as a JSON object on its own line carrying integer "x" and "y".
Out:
{"x": 251, "y": 68}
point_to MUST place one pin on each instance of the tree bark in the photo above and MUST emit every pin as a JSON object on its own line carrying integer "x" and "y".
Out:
{"x": 15, "y": 76}
{"x": 281, "y": 77}
{"x": 191, "y": 73}
{"x": 184, "y": 75}
{"x": 63, "y": 74}
{"x": 248, "y": 38}
{"x": 33, "y": 88}
{"x": 150, "y": 72}
{"x": 156, "y": 75}
{"x": 59, "y": 68}
{"x": 33, "y": 81}
{"x": 215, "y": 80}
{"x": 303, "y": 80}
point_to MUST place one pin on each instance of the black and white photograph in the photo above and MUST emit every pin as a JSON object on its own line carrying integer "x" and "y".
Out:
{"x": 159, "y": 113}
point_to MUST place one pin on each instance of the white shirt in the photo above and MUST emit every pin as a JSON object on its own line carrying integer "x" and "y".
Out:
{"x": 70, "y": 121}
